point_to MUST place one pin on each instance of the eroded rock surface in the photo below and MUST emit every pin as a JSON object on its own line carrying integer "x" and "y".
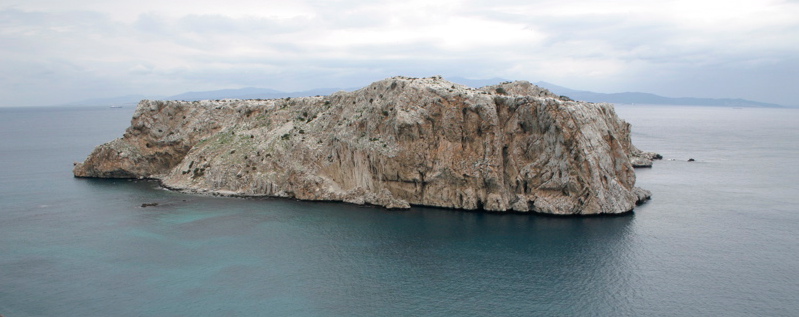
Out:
{"x": 398, "y": 142}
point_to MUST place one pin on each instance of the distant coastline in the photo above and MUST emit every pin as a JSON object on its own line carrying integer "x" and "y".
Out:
{"x": 652, "y": 99}
{"x": 578, "y": 95}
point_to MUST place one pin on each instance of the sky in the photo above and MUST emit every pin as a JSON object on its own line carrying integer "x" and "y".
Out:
{"x": 56, "y": 51}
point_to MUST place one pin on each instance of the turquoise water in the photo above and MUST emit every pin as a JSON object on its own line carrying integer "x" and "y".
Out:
{"x": 718, "y": 238}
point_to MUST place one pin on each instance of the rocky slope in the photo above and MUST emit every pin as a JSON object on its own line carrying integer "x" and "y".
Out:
{"x": 398, "y": 142}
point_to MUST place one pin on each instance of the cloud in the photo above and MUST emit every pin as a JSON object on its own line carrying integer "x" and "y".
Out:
{"x": 88, "y": 48}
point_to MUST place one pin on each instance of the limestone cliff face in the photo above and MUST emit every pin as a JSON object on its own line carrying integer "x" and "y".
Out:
{"x": 397, "y": 142}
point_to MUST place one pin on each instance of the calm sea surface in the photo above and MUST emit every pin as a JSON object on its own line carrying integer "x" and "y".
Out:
{"x": 719, "y": 238}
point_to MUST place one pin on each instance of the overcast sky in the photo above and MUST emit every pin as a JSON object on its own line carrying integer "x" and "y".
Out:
{"x": 55, "y": 51}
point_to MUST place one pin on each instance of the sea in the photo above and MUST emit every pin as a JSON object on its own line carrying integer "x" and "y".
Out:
{"x": 720, "y": 236}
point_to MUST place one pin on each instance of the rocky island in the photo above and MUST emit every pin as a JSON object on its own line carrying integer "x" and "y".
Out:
{"x": 395, "y": 143}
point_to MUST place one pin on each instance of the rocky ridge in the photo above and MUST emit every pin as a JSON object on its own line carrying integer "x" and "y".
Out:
{"x": 395, "y": 143}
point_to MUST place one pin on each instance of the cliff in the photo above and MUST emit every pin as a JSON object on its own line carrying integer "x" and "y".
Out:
{"x": 398, "y": 142}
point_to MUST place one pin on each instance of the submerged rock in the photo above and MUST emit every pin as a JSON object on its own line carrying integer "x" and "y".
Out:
{"x": 398, "y": 142}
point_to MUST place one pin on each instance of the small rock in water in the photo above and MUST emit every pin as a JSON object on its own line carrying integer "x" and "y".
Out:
{"x": 145, "y": 205}
{"x": 691, "y": 160}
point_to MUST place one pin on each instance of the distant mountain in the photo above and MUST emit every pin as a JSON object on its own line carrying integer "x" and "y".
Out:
{"x": 624, "y": 97}
{"x": 647, "y": 98}
{"x": 476, "y": 83}
{"x": 249, "y": 93}
{"x": 263, "y": 93}
{"x": 121, "y": 101}
{"x": 242, "y": 93}
{"x": 224, "y": 93}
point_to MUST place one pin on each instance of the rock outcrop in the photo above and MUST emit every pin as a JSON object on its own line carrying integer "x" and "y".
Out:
{"x": 398, "y": 142}
{"x": 643, "y": 159}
